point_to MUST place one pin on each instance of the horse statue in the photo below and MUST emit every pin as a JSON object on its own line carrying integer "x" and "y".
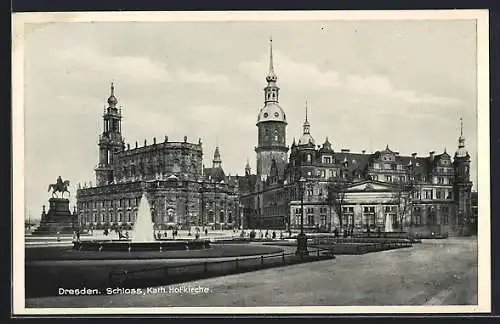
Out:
{"x": 60, "y": 186}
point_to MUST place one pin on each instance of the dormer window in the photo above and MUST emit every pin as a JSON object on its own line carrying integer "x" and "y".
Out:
{"x": 327, "y": 159}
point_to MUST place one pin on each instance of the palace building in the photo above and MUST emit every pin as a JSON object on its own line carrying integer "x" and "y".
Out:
{"x": 364, "y": 192}
{"x": 180, "y": 190}
{"x": 338, "y": 189}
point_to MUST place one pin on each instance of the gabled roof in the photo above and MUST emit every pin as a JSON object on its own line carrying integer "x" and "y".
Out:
{"x": 361, "y": 161}
{"x": 215, "y": 174}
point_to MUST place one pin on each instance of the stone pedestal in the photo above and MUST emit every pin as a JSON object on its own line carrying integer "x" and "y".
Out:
{"x": 302, "y": 245}
{"x": 57, "y": 219}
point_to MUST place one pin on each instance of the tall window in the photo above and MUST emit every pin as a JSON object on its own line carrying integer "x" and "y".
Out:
{"x": 347, "y": 216}
{"x": 369, "y": 216}
{"x": 431, "y": 216}
{"x": 417, "y": 215}
{"x": 388, "y": 178}
{"x": 445, "y": 215}
{"x": 310, "y": 219}
{"x": 391, "y": 211}
{"x": 327, "y": 159}
{"x": 428, "y": 194}
{"x": 308, "y": 157}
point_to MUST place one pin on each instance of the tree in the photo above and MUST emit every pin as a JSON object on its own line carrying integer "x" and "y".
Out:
{"x": 336, "y": 198}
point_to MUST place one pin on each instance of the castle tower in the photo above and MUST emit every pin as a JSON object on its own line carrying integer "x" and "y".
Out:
{"x": 271, "y": 124}
{"x": 462, "y": 185}
{"x": 110, "y": 141}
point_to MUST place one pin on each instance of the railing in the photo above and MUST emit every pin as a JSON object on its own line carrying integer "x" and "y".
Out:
{"x": 187, "y": 272}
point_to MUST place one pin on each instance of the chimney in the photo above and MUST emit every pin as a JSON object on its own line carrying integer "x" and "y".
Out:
{"x": 396, "y": 153}
{"x": 431, "y": 155}
{"x": 414, "y": 155}
{"x": 364, "y": 151}
{"x": 344, "y": 150}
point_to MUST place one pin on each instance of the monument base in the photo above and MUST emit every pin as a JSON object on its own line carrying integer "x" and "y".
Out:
{"x": 301, "y": 245}
{"x": 58, "y": 219}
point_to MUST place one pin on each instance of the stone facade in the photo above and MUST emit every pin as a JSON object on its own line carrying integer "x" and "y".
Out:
{"x": 181, "y": 192}
{"x": 363, "y": 192}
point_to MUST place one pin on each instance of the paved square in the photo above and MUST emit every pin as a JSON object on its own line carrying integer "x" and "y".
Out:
{"x": 440, "y": 272}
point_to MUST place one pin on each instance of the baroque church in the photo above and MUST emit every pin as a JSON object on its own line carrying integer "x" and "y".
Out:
{"x": 345, "y": 190}
{"x": 181, "y": 191}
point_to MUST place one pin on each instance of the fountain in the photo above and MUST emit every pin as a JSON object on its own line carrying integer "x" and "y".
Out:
{"x": 142, "y": 237}
{"x": 143, "y": 230}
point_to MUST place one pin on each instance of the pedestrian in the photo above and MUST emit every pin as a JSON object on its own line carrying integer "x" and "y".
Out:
{"x": 78, "y": 235}
{"x": 274, "y": 235}
{"x": 281, "y": 235}
{"x": 206, "y": 231}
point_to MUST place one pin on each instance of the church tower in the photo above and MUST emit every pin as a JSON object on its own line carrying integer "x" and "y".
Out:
{"x": 271, "y": 124}
{"x": 110, "y": 141}
{"x": 462, "y": 185}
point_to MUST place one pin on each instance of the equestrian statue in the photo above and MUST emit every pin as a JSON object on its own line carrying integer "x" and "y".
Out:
{"x": 60, "y": 186}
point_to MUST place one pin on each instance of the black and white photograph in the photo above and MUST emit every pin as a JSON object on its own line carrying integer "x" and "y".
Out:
{"x": 251, "y": 162}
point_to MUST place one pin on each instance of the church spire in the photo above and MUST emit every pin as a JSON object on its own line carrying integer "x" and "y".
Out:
{"x": 461, "y": 139}
{"x": 461, "y": 151}
{"x": 217, "y": 162}
{"x": 271, "y": 76}
{"x": 306, "y": 125}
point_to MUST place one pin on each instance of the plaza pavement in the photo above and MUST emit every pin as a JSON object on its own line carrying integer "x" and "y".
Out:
{"x": 435, "y": 272}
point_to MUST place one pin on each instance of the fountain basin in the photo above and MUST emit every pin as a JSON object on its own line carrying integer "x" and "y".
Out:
{"x": 129, "y": 246}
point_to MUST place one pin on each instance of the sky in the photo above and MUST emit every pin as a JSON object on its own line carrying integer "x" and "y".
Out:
{"x": 368, "y": 84}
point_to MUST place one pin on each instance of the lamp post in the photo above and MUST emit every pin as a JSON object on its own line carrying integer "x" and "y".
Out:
{"x": 302, "y": 238}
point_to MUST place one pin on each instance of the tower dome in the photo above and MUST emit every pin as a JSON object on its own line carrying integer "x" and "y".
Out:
{"x": 272, "y": 111}
{"x": 112, "y": 101}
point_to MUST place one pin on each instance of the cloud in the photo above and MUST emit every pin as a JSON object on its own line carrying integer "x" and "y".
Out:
{"x": 309, "y": 77}
{"x": 139, "y": 67}
{"x": 291, "y": 74}
{"x": 202, "y": 77}
{"x": 382, "y": 86}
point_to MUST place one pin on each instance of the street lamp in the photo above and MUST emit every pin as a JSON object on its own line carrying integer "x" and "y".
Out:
{"x": 302, "y": 238}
